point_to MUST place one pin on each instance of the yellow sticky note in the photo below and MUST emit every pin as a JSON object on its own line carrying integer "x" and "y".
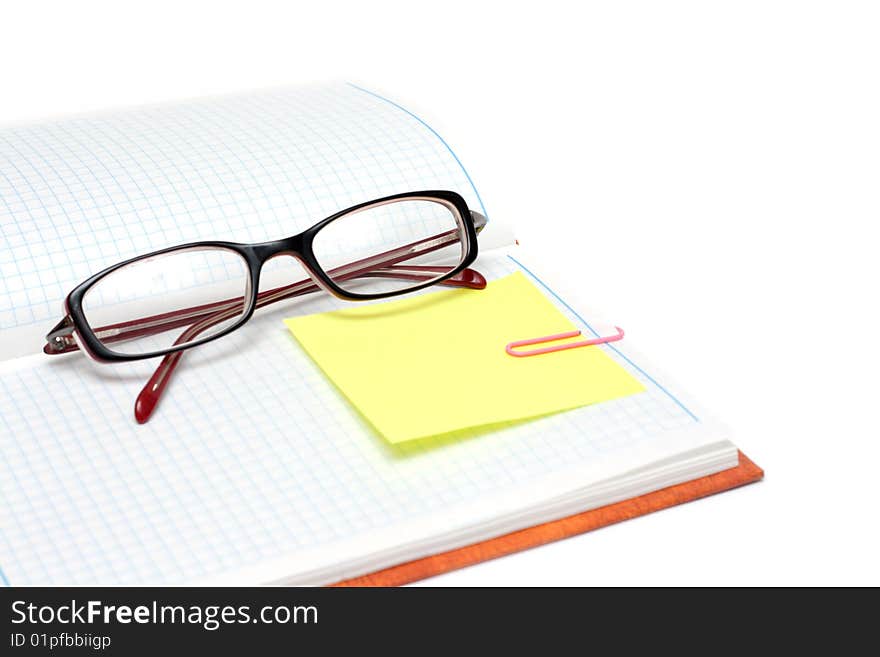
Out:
{"x": 435, "y": 363}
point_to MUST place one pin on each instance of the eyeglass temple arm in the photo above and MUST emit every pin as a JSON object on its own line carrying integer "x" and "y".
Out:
{"x": 60, "y": 339}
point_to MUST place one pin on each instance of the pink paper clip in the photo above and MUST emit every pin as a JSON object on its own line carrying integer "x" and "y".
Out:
{"x": 560, "y": 347}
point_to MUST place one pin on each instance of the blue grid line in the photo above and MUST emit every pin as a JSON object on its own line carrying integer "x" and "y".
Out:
{"x": 43, "y": 205}
{"x": 610, "y": 346}
{"x": 49, "y": 187}
{"x": 255, "y": 485}
{"x": 245, "y": 168}
{"x": 436, "y": 134}
{"x": 182, "y": 439}
{"x": 113, "y": 400}
{"x": 81, "y": 483}
{"x": 152, "y": 525}
{"x": 19, "y": 486}
{"x": 131, "y": 177}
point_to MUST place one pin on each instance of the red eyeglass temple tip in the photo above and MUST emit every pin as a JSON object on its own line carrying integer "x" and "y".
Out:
{"x": 150, "y": 394}
{"x": 472, "y": 279}
{"x": 144, "y": 404}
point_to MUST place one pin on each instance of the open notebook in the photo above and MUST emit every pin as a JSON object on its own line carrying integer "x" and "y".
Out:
{"x": 256, "y": 469}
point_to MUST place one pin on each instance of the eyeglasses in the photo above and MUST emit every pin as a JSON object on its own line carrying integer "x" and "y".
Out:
{"x": 163, "y": 303}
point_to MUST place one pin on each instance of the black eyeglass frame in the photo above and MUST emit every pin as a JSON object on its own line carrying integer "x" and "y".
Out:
{"x": 256, "y": 255}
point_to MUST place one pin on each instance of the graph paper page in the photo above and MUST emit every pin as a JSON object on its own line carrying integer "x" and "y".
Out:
{"x": 254, "y": 467}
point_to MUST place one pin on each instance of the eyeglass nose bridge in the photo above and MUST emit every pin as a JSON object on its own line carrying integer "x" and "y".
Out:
{"x": 294, "y": 247}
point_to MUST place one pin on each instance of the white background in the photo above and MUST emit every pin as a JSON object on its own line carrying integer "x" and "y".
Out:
{"x": 710, "y": 173}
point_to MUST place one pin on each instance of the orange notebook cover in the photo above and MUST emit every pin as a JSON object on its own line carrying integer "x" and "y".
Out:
{"x": 745, "y": 473}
